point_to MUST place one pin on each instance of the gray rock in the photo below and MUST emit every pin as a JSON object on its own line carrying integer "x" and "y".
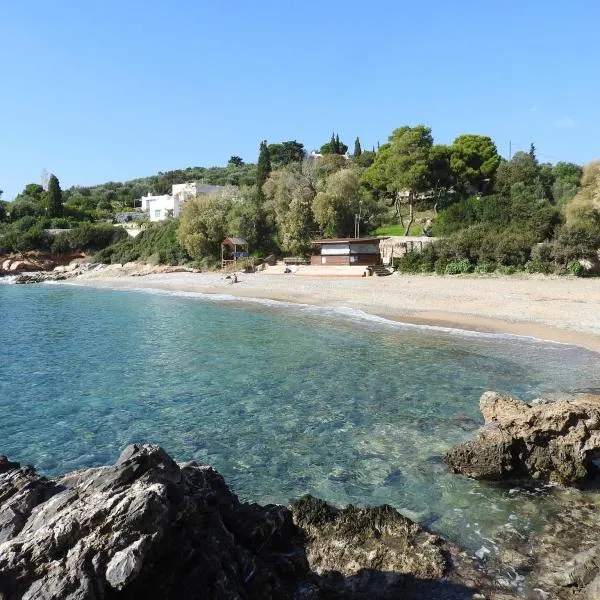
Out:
{"x": 150, "y": 528}
{"x": 556, "y": 441}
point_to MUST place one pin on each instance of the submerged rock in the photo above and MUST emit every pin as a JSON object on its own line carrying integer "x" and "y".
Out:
{"x": 150, "y": 528}
{"x": 558, "y": 441}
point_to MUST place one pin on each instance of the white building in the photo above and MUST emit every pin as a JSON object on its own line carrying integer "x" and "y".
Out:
{"x": 158, "y": 207}
{"x": 163, "y": 207}
{"x": 182, "y": 192}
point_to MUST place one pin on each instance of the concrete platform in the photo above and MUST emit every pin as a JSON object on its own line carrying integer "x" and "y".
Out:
{"x": 318, "y": 271}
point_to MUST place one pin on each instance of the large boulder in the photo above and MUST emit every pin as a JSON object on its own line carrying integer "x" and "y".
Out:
{"x": 553, "y": 440}
{"x": 150, "y": 528}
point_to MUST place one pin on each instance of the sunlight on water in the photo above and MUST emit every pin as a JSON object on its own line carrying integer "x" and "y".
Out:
{"x": 281, "y": 400}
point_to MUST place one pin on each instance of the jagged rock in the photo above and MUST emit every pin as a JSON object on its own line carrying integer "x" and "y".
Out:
{"x": 550, "y": 440}
{"x": 375, "y": 552}
{"x": 150, "y": 528}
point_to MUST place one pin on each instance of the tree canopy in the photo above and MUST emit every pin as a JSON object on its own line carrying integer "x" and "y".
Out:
{"x": 55, "y": 203}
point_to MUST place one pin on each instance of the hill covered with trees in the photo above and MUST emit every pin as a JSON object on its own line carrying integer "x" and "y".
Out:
{"x": 490, "y": 213}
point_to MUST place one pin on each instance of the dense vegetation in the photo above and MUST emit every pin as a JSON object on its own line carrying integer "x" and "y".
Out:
{"x": 489, "y": 213}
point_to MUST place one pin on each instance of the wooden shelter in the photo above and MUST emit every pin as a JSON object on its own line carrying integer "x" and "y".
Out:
{"x": 347, "y": 251}
{"x": 232, "y": 249}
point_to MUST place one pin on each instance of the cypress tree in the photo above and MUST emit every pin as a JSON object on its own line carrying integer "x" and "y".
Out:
{"x": 332, "y": 144}
{"x": 357, "y": 148}
{"x": 55, "y": 207}
{"x": 263, "y": 168}
{"x": 532, "y": 149}
{"x": 338, "y": 146}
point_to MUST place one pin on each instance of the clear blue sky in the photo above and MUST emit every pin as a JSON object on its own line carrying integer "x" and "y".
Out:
{"x": 117, "y": 89}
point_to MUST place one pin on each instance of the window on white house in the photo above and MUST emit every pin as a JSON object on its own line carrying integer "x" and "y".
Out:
{"x": 157, "y": 213}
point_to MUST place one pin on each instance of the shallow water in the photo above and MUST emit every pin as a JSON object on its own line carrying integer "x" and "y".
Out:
{"x": 282, "y": 400}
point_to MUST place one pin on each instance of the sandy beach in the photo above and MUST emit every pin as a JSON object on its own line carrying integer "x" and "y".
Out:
{"x": 560, "y": 309}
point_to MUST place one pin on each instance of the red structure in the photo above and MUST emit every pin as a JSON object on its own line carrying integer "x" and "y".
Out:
{"x": 347, "y": 251}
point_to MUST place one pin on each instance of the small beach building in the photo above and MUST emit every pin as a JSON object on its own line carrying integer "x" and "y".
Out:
{"x": 232, "y": 249}
{"x": 347, "y": 251}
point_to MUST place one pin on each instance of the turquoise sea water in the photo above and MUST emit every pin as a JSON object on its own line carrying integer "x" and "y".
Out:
{"x": 282, "y": 400}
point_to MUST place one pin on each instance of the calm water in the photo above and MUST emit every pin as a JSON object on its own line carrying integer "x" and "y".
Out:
{"x": 281, "y": 400}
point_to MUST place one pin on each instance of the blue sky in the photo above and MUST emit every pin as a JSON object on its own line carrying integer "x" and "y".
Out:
{"x": 112, "y": 90}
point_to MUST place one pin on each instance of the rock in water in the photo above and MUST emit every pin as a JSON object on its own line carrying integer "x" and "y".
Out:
{"x": 556, "y": 441}
{"x": 150, "y": 528}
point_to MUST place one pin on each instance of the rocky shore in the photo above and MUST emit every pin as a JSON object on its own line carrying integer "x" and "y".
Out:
{"x": 41, "y": 269}
{"x": 549, "y": 440}
{"x": 148, "y": 527}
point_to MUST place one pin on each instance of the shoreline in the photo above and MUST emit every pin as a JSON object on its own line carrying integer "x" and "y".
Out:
{"x": 549, "y": 309}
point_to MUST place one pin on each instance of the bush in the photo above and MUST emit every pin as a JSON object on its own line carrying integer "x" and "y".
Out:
{"x": 157, "y": 244}
{"x": 541, "y": 259}
{"x": 485, "y": 267}
{"x": 458, "y": 267}
{"x": 90, "y": 237}
{"x": 580, "y": 240}
{"x": 576, "y": 268}
{"x": 61, "y": 244}
{"x": 514, "y": 248}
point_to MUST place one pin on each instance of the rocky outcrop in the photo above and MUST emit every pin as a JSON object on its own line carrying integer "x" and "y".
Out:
{"x": 150, "y": 528}
{"x": 556, "y": 440}
{"x": 13, "y": 266}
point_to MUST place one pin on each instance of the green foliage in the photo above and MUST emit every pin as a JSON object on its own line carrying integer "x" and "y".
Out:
{"x": 357, "y": 149}
{"x": 576, "y": 268}
{"x": 579, "y": 240}
{"x": 336, "y": 204}
{"x": 88, "y": 237}
{"x": 569, "y": 173}
{"x": 522, "y": 168}
{"x": 203, "y": 225}
{"x": 264, "y": 167}
{"x": 365, "y": 159}
{"x": 402, "y": 163}
{"x": 458, "y": 267}
{"x": 158, "y": 243}
{"x": 334, "y": 146}
{"x": 289, "y": 196}
{"x": 55, "y": 202}
{"x": 541, "y": 259}
{"x": 286, "y": 153}
{"x": 474, "y": 161}
{"x": 235, "y": 161}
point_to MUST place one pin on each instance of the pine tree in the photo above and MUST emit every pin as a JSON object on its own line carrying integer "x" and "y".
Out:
{"x": 263, "y": 168}
{"x": 532, "y": 150}
{"x": 55, "y": 207}
{"x": 357, "y": 148}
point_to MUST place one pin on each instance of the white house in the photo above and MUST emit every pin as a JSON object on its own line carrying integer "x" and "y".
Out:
{"x": 158, "y": 208}
{"x": 182, "y": 192}
{"x": 163, "y": 207}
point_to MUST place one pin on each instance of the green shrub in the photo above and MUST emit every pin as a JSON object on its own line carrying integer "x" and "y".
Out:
{"x": 91, "y": 237}
{"x": 576, "y": 268}
{"x": 541, "y": 259}
{"x": 514, "y": 248}
{"x": 158, "y": 243}
{"x": 59, "y": 223}
{"x": 485, "y": 267}
{"x": 579, "y": 240}
{"x": 458, "y": 267}
{"x": 61, "y": 244}
{"x": 506, "y": 270}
